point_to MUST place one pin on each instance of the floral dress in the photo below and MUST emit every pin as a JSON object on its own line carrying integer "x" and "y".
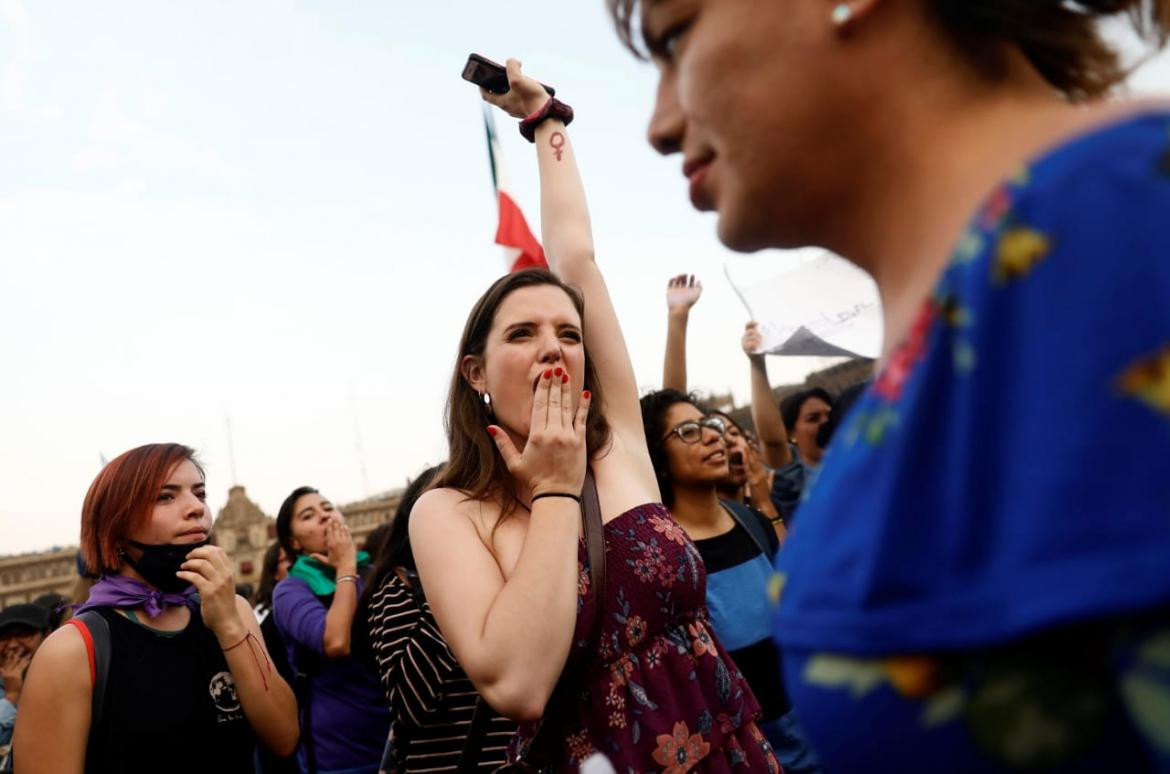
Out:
{"x": 980, "y": 577}
{"x": 657, "y": 690}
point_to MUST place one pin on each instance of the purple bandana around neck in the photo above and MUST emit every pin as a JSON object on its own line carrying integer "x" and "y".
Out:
{"x": 120, "y": 591}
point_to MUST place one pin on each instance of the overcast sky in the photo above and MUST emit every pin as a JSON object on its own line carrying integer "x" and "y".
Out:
{"x": 277, "y": 214}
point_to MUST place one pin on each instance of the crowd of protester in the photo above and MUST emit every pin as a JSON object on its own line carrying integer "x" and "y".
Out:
{"x": 956, "y": 567}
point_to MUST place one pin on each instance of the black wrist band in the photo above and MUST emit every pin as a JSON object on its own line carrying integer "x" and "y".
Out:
{"x": 557, "y": 494}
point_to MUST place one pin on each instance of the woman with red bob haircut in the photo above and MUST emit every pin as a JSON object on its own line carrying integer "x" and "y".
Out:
{"x": 190, "y": 686}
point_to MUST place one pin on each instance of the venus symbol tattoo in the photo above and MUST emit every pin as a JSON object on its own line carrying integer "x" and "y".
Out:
{"x": 557, "y": 143}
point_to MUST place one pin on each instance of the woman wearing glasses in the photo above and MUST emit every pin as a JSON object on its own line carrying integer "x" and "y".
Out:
{"x": 737, "y": 545}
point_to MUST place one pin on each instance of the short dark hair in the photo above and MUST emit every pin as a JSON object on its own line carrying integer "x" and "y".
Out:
{"x": 268, "y": 576}
{"x": 284, "y": 520}
{"x": 730, "y": 421}
{"x": 1061, "y": 40}
{"x": 25, "y": 618}
{"x": 654, "y": 407}
{"x": 790, "y": 407}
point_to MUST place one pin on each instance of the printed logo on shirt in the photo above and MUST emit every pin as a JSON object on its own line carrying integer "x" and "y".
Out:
{"x": 223, "y": 694}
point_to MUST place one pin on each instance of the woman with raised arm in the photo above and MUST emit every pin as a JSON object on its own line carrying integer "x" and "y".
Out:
{"x": 977, "y": 580}
{"x": 187, "y": 684}
{"x": 690, "y": 449}
{"x": 544, "y": 391}
{"x": 747, "y": 481}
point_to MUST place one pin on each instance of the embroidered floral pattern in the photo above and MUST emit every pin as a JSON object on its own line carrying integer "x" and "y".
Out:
{"x": 1018, "y": 251}
{"x": 892, "y": 379}
{"x": 701, "y": 639}
{"x": 670, "y": 529}
{"x": 1148, "y": 380}
{"x": 657, "y": 677}
{"x": 681, "y": 751}
{"x": 635, "y": 630}
{"x": 578, "y": 745}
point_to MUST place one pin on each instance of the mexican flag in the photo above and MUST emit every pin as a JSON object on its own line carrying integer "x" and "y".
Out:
{"x": 521, "y": 249}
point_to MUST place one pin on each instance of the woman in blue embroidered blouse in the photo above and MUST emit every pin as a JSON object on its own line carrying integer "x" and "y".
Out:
{"x": 977, "y": 581}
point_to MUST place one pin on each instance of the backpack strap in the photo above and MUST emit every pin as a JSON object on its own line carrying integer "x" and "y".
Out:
{"x": 95, "y": 631}
{"x": 755, "y": 528}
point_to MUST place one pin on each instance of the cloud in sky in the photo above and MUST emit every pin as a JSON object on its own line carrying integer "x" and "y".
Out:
{"x": 280, "y": 213}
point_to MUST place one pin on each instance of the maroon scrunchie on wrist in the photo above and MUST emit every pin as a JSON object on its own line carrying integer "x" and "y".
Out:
{"x": 554, "y": 108}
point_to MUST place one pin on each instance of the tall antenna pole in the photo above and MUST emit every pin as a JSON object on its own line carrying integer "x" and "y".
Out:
{"x": 231, "y": 449}
{"x": 357, "y": 442}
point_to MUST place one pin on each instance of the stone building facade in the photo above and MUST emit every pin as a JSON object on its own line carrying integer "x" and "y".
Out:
{"x": 25, "y": 577}
{"x": 241, "y": 528}
{"x": 245, "y": 531}
{"x": 834, "y": 379}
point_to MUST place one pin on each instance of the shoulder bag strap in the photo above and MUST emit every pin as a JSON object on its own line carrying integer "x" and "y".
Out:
{"x": 746, "y": 519}
{"x": 595, "y": 547}
{"x": 473, "y": 745}
{"x": 550, "y": 737}
{"x": 95, "y": 630}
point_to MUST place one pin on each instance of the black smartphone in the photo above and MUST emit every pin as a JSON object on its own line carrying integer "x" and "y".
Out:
{"x": 491, "y": 75}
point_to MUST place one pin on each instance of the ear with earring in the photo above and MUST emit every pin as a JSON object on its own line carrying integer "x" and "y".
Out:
{"x": 842, "y": 14}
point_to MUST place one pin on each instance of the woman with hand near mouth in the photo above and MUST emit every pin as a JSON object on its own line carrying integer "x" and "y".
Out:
{"x": 544, "y": 393}
{"x": 344, "y": 717}
{"x": 689, "y": 449}
{"x": 190, "y": 686}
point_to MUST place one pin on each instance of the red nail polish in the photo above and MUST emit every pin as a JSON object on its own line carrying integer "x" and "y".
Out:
{"x": 565, "y": 379}
{"x": 548, "y": 374}
{"x": 558, "y": 371}
{"x": 491, "y": 431}
{"x": 586, "y": 395}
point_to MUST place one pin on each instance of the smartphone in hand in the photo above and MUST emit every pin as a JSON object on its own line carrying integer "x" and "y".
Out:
{"x": 491, "y": 75}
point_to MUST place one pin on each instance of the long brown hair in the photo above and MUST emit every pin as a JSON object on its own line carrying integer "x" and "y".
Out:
{"x": 1062, "y": 40}
{"x": 474, "y": 465}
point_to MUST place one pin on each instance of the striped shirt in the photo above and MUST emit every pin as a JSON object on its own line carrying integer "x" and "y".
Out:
{"x": 431, "y": 699}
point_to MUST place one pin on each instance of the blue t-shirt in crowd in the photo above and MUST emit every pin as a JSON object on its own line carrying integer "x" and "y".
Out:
{"x": 738, "y": 574}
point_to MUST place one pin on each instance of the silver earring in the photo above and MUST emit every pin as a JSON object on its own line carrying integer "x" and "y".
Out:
{"x": 842, "y": 13}
{"x": 487, "y": 403}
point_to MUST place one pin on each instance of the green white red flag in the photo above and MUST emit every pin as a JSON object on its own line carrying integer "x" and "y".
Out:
{"x": 521, "y": 248}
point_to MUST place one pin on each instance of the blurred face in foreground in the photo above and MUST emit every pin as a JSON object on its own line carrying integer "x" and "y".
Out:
{"x": 750, "y": 95}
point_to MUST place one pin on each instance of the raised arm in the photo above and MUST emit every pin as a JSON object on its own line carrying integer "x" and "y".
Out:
{"x": 568, "y": 243}
{"x": 682, "y": 292}
{"x": 765, "y": 413}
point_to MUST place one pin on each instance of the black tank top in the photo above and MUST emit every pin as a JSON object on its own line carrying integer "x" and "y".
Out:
{"x": 170, "y": 704}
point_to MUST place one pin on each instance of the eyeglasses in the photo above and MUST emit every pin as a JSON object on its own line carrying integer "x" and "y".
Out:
{"x": 692, "y": 431}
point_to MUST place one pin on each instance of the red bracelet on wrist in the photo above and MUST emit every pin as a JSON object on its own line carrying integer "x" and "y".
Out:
{"x": 553, "y": 108}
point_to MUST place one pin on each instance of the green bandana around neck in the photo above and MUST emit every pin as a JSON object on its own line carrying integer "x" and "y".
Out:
{"x": 320, "y": 576}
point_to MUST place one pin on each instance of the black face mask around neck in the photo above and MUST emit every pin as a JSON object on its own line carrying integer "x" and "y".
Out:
{"x": 159, "y": 563}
